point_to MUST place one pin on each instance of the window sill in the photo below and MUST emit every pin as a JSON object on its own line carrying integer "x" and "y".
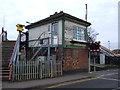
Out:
{"x": 75, "y": 41}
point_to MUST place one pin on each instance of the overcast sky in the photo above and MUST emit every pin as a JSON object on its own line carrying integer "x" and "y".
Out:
{"x": 103, "y": 14}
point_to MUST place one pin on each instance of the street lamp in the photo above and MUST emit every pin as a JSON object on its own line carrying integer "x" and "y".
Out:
{"x": 109, "y": 45}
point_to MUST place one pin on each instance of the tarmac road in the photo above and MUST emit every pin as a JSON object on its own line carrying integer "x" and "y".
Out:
{"x": 107, "y": 80}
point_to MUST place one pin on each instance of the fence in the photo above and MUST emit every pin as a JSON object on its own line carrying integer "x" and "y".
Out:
{"x": 26, "y": 70}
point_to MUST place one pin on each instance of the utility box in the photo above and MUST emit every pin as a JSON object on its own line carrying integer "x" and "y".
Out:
{"x": 102, "y": 59}
{"x": 41, "y": 58}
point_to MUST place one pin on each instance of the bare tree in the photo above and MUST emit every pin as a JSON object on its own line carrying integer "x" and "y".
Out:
{"x": 92, "y": 34}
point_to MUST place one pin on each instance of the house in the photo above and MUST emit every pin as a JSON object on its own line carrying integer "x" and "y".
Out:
{"x": 66, "y": 35}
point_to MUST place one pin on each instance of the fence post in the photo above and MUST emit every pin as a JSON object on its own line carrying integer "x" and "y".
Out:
{"x": 61, "y": 67}
{"x": 26, "y": 69}
{"x": 51, "y": 68}
{"x": 18, "y": 71}
{"x": 29, "y": 69}
{"x": 35, "y": 65}
{"x": 13, "y": 72}
{"x": 41, "y": 70}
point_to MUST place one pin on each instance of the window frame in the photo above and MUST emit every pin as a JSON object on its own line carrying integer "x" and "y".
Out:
{"x": 78, "y": 34}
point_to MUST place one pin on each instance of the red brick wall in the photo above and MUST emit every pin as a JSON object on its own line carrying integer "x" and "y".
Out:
{"x": 75, "y": 59}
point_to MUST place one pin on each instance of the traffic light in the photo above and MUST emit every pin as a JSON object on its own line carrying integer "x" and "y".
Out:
{"x": 20, "y": 27}
{"x": 94, "y": 46}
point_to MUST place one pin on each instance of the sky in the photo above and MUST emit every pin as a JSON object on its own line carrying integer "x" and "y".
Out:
{"x": 103, "y": 15}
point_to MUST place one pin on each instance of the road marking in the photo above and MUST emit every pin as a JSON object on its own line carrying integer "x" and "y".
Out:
{"x": 107, "y": 75}
{"x": 110, "y": 79}
{"x": 71, "y": 82}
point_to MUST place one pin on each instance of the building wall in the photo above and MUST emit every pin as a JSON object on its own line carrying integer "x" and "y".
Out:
{"x": 75, "y": 59}
{"x": 69, "y": 32}
{"x": 69, "y": 29}
{"x": 35, "y": 32}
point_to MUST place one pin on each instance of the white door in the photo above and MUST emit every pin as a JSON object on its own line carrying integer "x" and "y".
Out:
{"x": 102, "y": 59}
{"x": 55, "y": 33}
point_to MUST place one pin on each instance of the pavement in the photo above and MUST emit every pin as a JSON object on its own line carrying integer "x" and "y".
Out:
{"x": 52, "y": 81}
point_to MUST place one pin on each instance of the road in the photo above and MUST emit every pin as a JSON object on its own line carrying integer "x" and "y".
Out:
{"x": 106, "y": 80}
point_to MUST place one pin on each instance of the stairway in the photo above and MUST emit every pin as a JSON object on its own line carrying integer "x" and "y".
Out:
{"x": 6, "y": 52}
{"x": 4, "y": 70}
{"x": 43, "y": 48}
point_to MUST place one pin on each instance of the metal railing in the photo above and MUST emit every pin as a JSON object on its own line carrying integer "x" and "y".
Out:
{"x": 27, "y": 70}
{"x": 107, "y": 51}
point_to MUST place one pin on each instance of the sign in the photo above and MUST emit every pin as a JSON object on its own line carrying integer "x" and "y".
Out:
{"x": 20, "y": 27}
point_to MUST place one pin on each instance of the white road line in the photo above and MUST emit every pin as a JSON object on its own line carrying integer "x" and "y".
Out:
{"x": 101, "y": 77}
{"x": 110, "y": 79}
{"x": 107, "y": 75}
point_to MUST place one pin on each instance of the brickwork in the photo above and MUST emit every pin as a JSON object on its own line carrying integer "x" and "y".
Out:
{"x": 75, "y": 59}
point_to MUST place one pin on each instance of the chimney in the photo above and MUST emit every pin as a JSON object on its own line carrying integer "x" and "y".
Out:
{"x": 55, "y": 13}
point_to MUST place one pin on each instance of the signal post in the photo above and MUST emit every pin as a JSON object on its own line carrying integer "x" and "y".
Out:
{"x": 94, "y": 49}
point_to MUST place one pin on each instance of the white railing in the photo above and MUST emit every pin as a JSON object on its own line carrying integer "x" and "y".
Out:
{"x": 27, "y": 70}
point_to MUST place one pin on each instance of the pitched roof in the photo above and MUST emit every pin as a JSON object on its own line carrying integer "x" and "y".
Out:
{"x": 58, "y": 16}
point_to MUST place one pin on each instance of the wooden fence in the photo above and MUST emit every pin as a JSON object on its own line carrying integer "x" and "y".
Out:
{"x": 26, "y": 70}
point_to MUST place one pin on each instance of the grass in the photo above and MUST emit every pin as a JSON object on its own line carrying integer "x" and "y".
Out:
{"x": 112, "y": 66}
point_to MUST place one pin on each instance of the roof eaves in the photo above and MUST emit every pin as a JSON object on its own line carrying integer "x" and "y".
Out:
{"x": 46, "y": 20}
{"x": 58, "y": 16}
{"x": 83, "y": 22}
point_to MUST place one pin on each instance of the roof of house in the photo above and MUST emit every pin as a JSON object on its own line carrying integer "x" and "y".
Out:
{"x": 58, "y": 16}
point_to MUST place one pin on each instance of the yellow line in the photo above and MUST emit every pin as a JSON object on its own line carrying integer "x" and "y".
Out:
{"x": 71, "y": 82}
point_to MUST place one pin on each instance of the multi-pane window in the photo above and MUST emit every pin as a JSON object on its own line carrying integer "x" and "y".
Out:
{"x": 49, "y": 28}
{"x": 78, "y": 34}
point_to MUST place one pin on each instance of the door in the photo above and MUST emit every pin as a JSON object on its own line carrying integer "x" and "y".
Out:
{"x": 55, "y": 33}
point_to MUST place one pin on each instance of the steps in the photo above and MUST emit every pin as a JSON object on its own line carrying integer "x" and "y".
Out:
{"x": 4, "y": 70}
{"x": 6, "y": 48}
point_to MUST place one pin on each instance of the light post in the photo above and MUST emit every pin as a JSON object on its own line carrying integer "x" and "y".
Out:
{"x": 109, "y": 45}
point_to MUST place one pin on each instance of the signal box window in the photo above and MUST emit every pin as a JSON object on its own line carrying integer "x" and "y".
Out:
{"x": 78, "y": 34}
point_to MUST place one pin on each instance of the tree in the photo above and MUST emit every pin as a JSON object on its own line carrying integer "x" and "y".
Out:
{"x": 92, "y": 34}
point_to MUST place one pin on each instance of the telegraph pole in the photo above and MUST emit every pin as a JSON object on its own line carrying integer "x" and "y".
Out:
{"x": 86, "y": 12}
